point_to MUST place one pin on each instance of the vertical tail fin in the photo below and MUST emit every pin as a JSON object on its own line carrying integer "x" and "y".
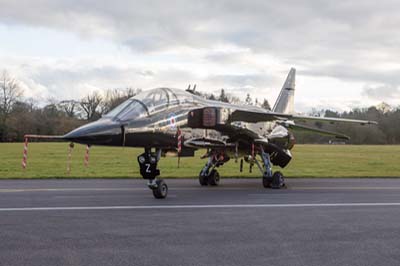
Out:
{"x": 285, "y": 102}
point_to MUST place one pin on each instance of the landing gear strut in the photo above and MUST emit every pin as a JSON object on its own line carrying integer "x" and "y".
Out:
{"x": 269, "y": 179}
{"x": 148, "y": 169}
{"x": 209, "y": 175}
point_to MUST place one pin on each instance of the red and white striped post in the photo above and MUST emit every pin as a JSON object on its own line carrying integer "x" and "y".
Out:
{"x": 71, "y": 146}
{"x": 25, "y": 156}
{"x": 179, "y": 134}
{"x": 87, "y": 156}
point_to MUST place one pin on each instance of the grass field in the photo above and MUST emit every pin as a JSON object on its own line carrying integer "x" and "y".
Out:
{"x": 49, "y": 160}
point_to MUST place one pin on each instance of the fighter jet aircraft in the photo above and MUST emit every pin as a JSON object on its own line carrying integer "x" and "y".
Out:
{"x": 171, "y": 121}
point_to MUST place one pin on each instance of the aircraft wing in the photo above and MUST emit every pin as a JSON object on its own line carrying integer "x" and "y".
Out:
{"x": 331, "y": 120}
{"x": 297, "y": 127}
{"x": 222, "y": 119}
{"x": 254, "y": 117}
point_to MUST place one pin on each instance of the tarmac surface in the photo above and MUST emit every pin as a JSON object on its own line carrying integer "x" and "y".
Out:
{"x": 118, "y": 222}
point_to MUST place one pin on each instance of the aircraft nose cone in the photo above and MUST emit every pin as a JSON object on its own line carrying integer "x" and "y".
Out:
{"x": 101, "y": 132}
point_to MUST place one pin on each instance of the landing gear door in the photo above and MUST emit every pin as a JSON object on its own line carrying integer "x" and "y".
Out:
{"x": 148, "y": 165}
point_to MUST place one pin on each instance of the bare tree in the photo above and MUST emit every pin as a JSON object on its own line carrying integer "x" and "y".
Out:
{"x": 69, "y": 107}
{"x": 115, "y": 97}
{"x": 10, "y": 92}
{"x": 90, "y": 104}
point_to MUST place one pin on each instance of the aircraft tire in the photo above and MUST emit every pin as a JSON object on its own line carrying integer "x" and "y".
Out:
{"x": 203, "y": 180}
{"x": 266, "y": 181}
{"x": 161, "y": 191}
{"x": 213, "y": 178}
{"x": 277, "y": 180}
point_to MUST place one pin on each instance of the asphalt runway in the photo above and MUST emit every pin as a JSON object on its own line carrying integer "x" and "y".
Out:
{"x": 118, "y": 222}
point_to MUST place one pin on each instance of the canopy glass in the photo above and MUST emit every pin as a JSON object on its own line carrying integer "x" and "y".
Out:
{"x": 149, "y": 102}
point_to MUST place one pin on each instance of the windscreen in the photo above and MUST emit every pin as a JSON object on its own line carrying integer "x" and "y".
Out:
{"x": 149, "y": 102}
{"x": 133, "y": 111}
{"x": 130, "y": 109}
{"x": 114, "y": 112}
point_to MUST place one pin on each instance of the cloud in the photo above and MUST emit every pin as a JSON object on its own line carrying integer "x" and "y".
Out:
{"x": 73, "y": 78}
{"x": 356, "y": 72}
{"x": 240, "y": 80}
{"x": 231, "y": 43}
{"x": 382, "y": 93}
{"x": 275, "y": 27}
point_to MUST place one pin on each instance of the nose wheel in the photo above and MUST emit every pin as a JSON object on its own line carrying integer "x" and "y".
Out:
{"x": 160, "y": 189}
{"x": 148, "y": 169}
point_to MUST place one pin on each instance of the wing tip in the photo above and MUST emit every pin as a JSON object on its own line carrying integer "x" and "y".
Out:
{"x": 343, "y": 137}
{"x": 369, "y": 123}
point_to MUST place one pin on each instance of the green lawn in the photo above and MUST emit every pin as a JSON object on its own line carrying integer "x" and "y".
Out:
{"x": 49, "y": 160}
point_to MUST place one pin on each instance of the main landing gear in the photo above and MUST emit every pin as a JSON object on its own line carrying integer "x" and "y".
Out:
{"x": 148, "y": 169}
{"x": 209, "y": 175}
{"x": 269, "y": 179}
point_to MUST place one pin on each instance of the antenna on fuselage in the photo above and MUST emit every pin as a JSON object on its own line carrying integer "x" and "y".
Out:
{"x": 192, "y": 91}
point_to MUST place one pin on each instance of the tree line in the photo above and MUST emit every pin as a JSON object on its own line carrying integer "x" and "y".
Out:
{"x": 19, "y": 116}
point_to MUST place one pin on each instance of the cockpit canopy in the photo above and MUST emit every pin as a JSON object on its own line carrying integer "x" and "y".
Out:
{"x": 149, "y": 102}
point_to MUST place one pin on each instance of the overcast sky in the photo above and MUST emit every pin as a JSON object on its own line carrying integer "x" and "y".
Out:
{"x": 347, "y": 53}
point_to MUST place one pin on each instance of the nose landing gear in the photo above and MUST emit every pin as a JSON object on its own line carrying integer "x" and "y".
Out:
{"x": 148, "y": 169}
